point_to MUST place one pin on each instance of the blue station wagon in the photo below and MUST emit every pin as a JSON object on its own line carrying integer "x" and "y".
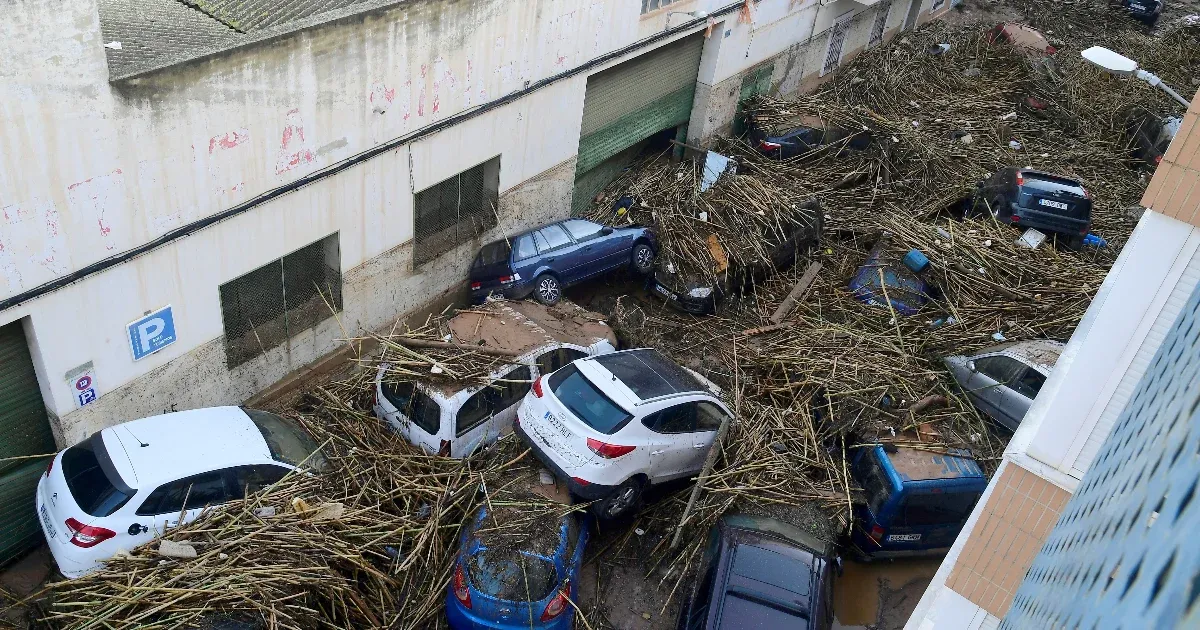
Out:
{"x": 916, "y": 501}
{"x": 541, "y": 262}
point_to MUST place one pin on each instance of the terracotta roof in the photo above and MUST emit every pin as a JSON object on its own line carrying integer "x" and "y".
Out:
{"x": 156, "y": 34}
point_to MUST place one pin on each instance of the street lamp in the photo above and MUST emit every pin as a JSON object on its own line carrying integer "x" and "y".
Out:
{"x": 1122, "y": 66}
{"x": 695, "y": 14}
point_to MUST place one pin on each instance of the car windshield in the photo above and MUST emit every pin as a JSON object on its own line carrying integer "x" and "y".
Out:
{"x": 491, "y": 254}
{"x": 587, "y": 402}
{"x": 287, "y": 442}
{"x": 512, "y": 575}
{"x": 98, "y": 490}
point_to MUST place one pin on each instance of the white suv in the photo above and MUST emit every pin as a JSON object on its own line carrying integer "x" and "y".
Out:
{"x": 612, "y": 425}
{"x": 129, "y": 483}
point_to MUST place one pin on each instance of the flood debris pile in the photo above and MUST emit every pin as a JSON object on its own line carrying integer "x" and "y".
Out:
{"x": 835, "y": 372}
{"x": 370, "y": 543}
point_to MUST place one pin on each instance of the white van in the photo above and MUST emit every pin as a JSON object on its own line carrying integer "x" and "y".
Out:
{"x": 455, "y": 419}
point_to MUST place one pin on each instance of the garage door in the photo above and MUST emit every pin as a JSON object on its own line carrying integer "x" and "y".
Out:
{"x": 25, "y": 431}
{"x": 629, "y": 103}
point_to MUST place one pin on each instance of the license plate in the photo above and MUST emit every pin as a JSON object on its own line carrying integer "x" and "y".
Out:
{"x": 46, "y": 522}
{"x": 1137, "y": 7}
{"x": 666, "y": 293}
{"x": 558, "y": 425}
{"x": 904, "y": 537}
{"x": 1053, "y": 204}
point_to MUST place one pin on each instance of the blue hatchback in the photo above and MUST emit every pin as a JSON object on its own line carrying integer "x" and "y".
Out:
{"x": 517, "y": 586}
{"x": 543, "y": 261}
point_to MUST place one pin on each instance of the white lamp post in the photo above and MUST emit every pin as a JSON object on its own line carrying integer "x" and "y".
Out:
{"x": 1122, "y": 66}
{"x": 695, "y": 14}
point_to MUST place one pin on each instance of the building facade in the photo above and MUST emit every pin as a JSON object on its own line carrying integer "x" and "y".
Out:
{"x": 1075, "y": 464}
{"x": 201, "y": 198}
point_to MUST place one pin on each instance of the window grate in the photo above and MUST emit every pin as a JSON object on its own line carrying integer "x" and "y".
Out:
{"x": 455, "y": 211}
{"x": 654, "y": 5}
{"x": 264, "y": 308}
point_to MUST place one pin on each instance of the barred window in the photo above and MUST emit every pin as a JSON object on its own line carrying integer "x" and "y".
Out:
{"x": 654, "y": 5}
{"x": 455, "y": 211}
{"x": 268, "y": 306}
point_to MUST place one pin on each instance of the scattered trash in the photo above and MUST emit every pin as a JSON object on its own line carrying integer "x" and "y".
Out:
{"x": 113, "y": 45}
{"x": 778, "y": 447}
{"x": 715, "y": 165}
{"x": 999, "y": 336}
{"x": 1031, "y": 238}
{"x": 265, "y": 511}
{"x": 1009, "y": 116}
{"x": 915, "y": 261}
{"x": 1093, "y": 240}
{"x": 1013, "y": 144}
{"x": 943, "y": 233}
{"x": 639, "y": 531}
{"x": 545, "y": 477}
{"x": 938, "y": 49}
{"x": 973, "y": 71}
{"x": 967, "y": 139}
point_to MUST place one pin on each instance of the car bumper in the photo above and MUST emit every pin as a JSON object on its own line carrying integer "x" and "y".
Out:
{"x": 518, "y": 291}
{"x": 1046, "y": 221}
{"x": 463, "y": 619}
{"x": 73, "y": 562}
{"x": 682, "y": 301}
{"x": 587, "y": 492}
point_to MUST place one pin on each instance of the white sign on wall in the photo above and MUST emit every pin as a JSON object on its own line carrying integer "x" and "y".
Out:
{"x": 82, "y": 381}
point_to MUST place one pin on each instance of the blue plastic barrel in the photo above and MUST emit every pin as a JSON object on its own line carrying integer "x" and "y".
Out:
{"x": 916, "y": 261}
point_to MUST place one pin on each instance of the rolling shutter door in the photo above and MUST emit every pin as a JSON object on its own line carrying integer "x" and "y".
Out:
{"x": 26, "y": 431}
{"x": 633, "y": 101}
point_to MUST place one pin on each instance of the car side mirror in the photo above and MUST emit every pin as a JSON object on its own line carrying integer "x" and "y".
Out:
{"x": 606, "y": 231}
{"x": 971, "y": 365}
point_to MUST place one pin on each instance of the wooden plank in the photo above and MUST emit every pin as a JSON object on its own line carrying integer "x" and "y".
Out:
{"x": 797, "y": 293}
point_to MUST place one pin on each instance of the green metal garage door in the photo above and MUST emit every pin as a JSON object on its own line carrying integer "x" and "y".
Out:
{"x": 631, "y": 102}
{"x": 24, "y": 430}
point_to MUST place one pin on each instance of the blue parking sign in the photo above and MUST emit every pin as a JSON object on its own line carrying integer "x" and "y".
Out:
{"x": 151, "y": 333}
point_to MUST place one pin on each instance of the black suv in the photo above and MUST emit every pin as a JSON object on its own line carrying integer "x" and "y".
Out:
{"x": 1027, "y": 198}
{"x": 758, "y": 572}
{"x": 1144, "y": 11}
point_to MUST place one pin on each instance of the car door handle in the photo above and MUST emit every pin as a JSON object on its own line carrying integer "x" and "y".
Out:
{"x": 549, "y": 260}
{"x": 657, "y": 452}
{"x": 699, "y": 446}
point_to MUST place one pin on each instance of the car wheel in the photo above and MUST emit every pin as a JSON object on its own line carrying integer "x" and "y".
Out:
{"x": 623, "y": 501}
{"x": 547, "y": 290}
{"x": 1073, "y": 243}
{"x": 643, "y": 258}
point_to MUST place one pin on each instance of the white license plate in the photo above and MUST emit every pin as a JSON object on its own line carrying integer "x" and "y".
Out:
{"x": 1053, "y": 204}
{"x": 663, "y": 290}
{"x": 48, "y": 524}
{"x": 558, "y": 425}
{"x": 1137, "y": 7}
{"x": 904, "y": 537}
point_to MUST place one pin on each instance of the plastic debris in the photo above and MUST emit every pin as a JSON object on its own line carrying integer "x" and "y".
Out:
{"x": 1032, "y": 239}
{"x": 999, "y": 336}
{"x": 171, "y": 549}
{"x": 1013, "y": 144}
{"x": 1093, "y": 240}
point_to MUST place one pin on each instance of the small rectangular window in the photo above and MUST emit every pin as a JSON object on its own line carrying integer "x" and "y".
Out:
{"x": 201, "y": 490}
{"x": 525, "y": 248}
{"x": 937, "y": 509}
{"x": 455, "y": 211}
{"x": 582, "y": 230}
{"x": 268, "y": 306}
{"x": 419, "y": 408}
{"x": 474, "y": 412}
{"x": 554, "y": 236}
{"x": 512, "y": 390}
{"x": 550, "y": 361}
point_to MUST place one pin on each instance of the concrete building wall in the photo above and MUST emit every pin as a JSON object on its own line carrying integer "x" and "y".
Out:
{"x": 91, "y": 169}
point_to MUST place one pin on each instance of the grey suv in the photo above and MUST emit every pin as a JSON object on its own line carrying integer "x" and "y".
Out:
{"x": 1003, "y": 380}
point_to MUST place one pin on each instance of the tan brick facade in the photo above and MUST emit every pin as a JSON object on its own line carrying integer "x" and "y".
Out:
{"x": 1175, "y": 189}
{"x": 1015, "y": 521}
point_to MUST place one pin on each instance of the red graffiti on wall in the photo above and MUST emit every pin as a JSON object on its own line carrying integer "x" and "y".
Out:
{"x": 294, "y": 149}
{"x": 228, "y": 140}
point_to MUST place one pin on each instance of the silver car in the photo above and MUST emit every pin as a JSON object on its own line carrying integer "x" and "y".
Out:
{"x": 1003, "y": 380}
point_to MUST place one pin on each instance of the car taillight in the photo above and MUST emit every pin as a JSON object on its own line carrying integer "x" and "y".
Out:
{"x": 461, "y": 592}
{"x": 1157, "y": 160}
{"x": 768, "y": 146}
{"x": 876, "y": 533}
{"x": 86, "y": 535}
{"x": 608, "y": 451}
{"x": 1020, "y": 179}
{"x": 444, "y": 448}
{"x": 581, "y": 481}
{"x": 510, "y": 279}
{"x": 1015, "y": 219}
{"x": 537, "y": 387}
{"x": 476, "y": 286}
{"x": 49, "y": 466}
{"x": 556, "y": 606}
{"x": 1086, "y": 194}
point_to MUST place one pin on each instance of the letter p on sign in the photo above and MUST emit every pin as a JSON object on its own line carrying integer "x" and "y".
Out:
{"x": 151, "y": 333}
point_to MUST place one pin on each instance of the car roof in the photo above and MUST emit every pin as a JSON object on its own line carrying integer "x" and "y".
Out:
{"x": 523, "y": 327}
{"x": 765, "y": 581}
{"x": 1042, "y": 353}
{"x": 154, "y": 450}
{"x": 1052, "y": 178}
{"x": 913, "y": 464}
{"x": 648, "y": 374}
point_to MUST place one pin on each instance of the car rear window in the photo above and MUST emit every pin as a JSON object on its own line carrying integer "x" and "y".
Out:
{"x": 587, "y": 402}
{"x": 491, "y": 254}
{"x": 1053, "y": 185}
{"x": 512, "y": 575}
{"x": 97, "y": 489}
{"x": 739, "y": 611}
{"x": 287, "y": 442}
{"x": 413, "y": 403}
{"x": 770, "y": 567}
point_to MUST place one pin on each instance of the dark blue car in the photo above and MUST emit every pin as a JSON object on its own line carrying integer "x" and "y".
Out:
{"x": 510, "y": 587}
{"x": 544, "y": 260}
{"x": 881, "y": 280}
